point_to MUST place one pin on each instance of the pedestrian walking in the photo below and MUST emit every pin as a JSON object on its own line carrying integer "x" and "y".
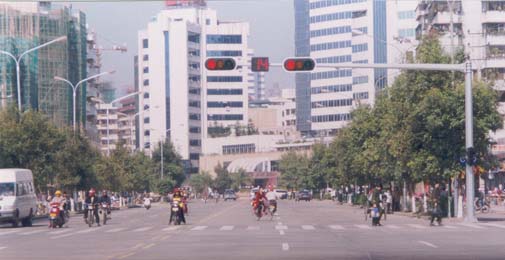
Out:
{"x": 436, "y": 213}
{"x": 375, "y": 215}
{"x": 389, "y": 201}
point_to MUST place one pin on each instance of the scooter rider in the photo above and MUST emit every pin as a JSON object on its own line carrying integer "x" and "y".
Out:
{"x": 178, "y": 198}
{"x": 61, "y": 200}
{"x": 92, "y": 201}
{"x": 105, "y": 198}
{"x": 259, "y": 199}
{"x": 272, "y": 198}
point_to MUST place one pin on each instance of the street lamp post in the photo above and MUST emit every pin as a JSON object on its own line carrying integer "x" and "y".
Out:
{"x": 107, "y": 109}
{"x": 17, "y": 60}
{"x": 75, "y": 87}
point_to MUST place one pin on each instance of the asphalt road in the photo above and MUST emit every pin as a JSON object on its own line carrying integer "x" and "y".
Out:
{"x": 228, "y": 230}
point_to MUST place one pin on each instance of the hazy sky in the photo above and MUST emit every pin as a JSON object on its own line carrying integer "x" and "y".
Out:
{"x": 271, "y": 28}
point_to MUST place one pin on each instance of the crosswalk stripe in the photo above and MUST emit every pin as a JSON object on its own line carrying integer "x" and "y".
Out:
{"x": 363, "y": 226}
{"x": 226, "y": 228}
{"x": 9, "y": 232}
{"x": 114, "y": 230}
{"x": 253, "y": 228}
{"x": 471, "y": 225}
{"x": 84, "y": 231}
{"x": 449, "y": 227}
{"x": 494, "y": 225}
{"x": 416, "y": 226}
{"x": 308, "y": 227}
{"x": 199, "y": 228}
{"x": 337, "y": 227}
{"x": 32, "y": 232}
{"x": 170, "y": 228}
{"x": 60, "y": 232}
{"x": 392, "y": 226}
{"x": 2, "y": 247}
{"x": 142, "y": 229}
{"x": 279, "y": 227}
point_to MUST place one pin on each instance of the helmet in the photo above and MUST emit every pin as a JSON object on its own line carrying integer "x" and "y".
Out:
{"x": 91, "y": 192}
{"x": 104, "y": 192}
{"x": 57, "y": 193}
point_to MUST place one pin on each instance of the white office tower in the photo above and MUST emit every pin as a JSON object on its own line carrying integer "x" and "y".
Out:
{"x": 341, "y": 31}
{"x": 479, "y": 28}
{"x": 180, "y": 97}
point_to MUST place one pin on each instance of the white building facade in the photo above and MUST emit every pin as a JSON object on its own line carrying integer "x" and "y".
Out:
{"x": 181, "y": 98}
{"x": 343, "y": 31}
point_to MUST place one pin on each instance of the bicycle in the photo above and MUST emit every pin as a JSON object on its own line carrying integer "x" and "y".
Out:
{"x": 482, "y": 205}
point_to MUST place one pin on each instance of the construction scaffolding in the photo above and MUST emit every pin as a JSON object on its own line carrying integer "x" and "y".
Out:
{"x": 24, "y": 26}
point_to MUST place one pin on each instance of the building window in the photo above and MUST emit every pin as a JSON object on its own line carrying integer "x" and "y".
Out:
{"x": 194, "y": 156}
{"x": 330, "y": 45}
{"x": 145, "y": 57}
{"x": 361, "y": 61}
{"x": 360, "y": 95}
{"x": 332, "y": 89}
{"x": 332, "y": 103}
{"x": 406, "y": 15}
{"x": 147, "y": 145}
{"x": 231, "y": 117}
{"x": 330, "y": 31}
{"x": 224, "y": 53}
{"x": 327, "y": 3}
{"x": 146, "y": 95}
{"x": 195, "y": 143}
{"x": 335, "y": 59}
{"x": 360, "y": 47}
{"x": 145, "y": 43}
{"x": 195, "y": 130}
{"x": 147, "y": 133}
{"x": 146, "y": 82}
{"x": 331, "y": 118}
{"x": 224, "y": 39}
{"x": 194, "y": 103}
{"x": 207, "y": 21}
{"x": 146, "y": 120}
{"x": 363, "y": 30}
{"x": 224, "y": 79}
{"x": 146, "y": 70}
{"x": 194, "y": 117}
{"x": 359, "y": 80}
{"x": 225, "y": 104}
{"x": 224, "y": 92}
{"x": 405, "y": 33}
{"x": 239, "y": 148}
{"x": 332, "y": 74}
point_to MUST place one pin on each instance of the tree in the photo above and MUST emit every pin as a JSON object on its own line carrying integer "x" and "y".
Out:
{"x": 240, "y": 179}
{"x": 172, "y": 163}
{"x": 223, "y": 180}
{"x": 293, "y": 168}
{"x": 200, "y": 182}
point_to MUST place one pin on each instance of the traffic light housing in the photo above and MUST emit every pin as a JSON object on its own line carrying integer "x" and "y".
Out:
{"x": 260, "y": 64}
{"x": 299, "y": 64}
{"x": 220, "y": 64}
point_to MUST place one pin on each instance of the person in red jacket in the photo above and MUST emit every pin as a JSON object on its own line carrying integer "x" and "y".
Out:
{"x": 259, "y": 200}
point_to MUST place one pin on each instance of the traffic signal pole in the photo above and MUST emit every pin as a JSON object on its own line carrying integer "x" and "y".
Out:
{"x": 465, "y": 68}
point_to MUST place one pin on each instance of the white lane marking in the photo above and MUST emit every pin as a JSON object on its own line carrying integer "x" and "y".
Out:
{"x": 279, "y": 227}
{"x": 308, "y": 227}
{"x": 226, "y": 228}
{"x": 170, "y": 228}
{"x": 2, "y": 247}
{"x": 9, "y": 232}
{"x": 149, "y": 246}
{"x": 75, "y": 233}
{"x": 253, "y": 228}
{"x": 471, "y": 225}
{"x": 363, "y": 226}
{"x": 285, "y": 246}
{"x": 416, "y": 226}
{"x": 279, "y": 223}
{"x": 278, "y": 218}
{"x": 427, "y": 244}
{"x": 32, "y": 232}
{"x": 494, "y": 225}
{"x": 114, "y": 230}
{"x": 60, "y": 232}
{"x": 86, "y": 231}
{"x": 337, "y": 227}
{"x": 281, "y": 232}
{"x": 142, "y": 229}
{"x": 449, "y": 227}
{"x": 392, "y": 226}
{"x": 199, "y": 228}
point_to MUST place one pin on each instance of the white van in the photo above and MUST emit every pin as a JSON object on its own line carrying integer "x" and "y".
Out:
{"x": 17, "y": 197}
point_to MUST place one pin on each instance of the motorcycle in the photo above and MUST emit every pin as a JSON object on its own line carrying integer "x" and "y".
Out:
{"x": 91, "y": 215}
{"x": 258, "y": 210}
{"x": 175, "y": 213}
{"x": 103, "y": 212}
{"x": 147, "y": 203}
{"x": 57, "y": 216}
{"x": 482, "y": 205}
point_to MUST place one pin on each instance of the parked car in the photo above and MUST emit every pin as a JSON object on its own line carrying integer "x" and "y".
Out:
{"x": 282, "y": 194}
{"x": 18, "y": 202}
{"x": 303, "y": 195}
{"x": 229, "y": 195}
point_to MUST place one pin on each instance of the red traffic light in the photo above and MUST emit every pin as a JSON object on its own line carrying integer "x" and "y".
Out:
{"x": 220, "y": 64}
{"x": 260, "y": 64}
{"x": 299, "y": 64}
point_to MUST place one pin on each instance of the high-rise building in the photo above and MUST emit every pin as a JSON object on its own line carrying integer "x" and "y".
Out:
{"x": 181, "y": 100}
{"x": 343, "y": 31}
{"x": 479, "y": 29}
{"x": 26, "y": 25}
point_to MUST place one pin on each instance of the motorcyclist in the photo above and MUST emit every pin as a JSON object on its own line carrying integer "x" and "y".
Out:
{"x": 106, "y": 199}
{"x": 259, "y": 200}
{"x": 272, "y": 198}
{"x": 179, "y": 199}
{"x": 147, "y": 202}
{"x": 92, "y": 201}
{"x": 62, "y": 201}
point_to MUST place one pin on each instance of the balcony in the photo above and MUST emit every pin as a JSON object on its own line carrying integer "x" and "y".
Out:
{"x": 445, "y": 18}
{"x": 493, "y": 17}
{"x": 495, "y": 39}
